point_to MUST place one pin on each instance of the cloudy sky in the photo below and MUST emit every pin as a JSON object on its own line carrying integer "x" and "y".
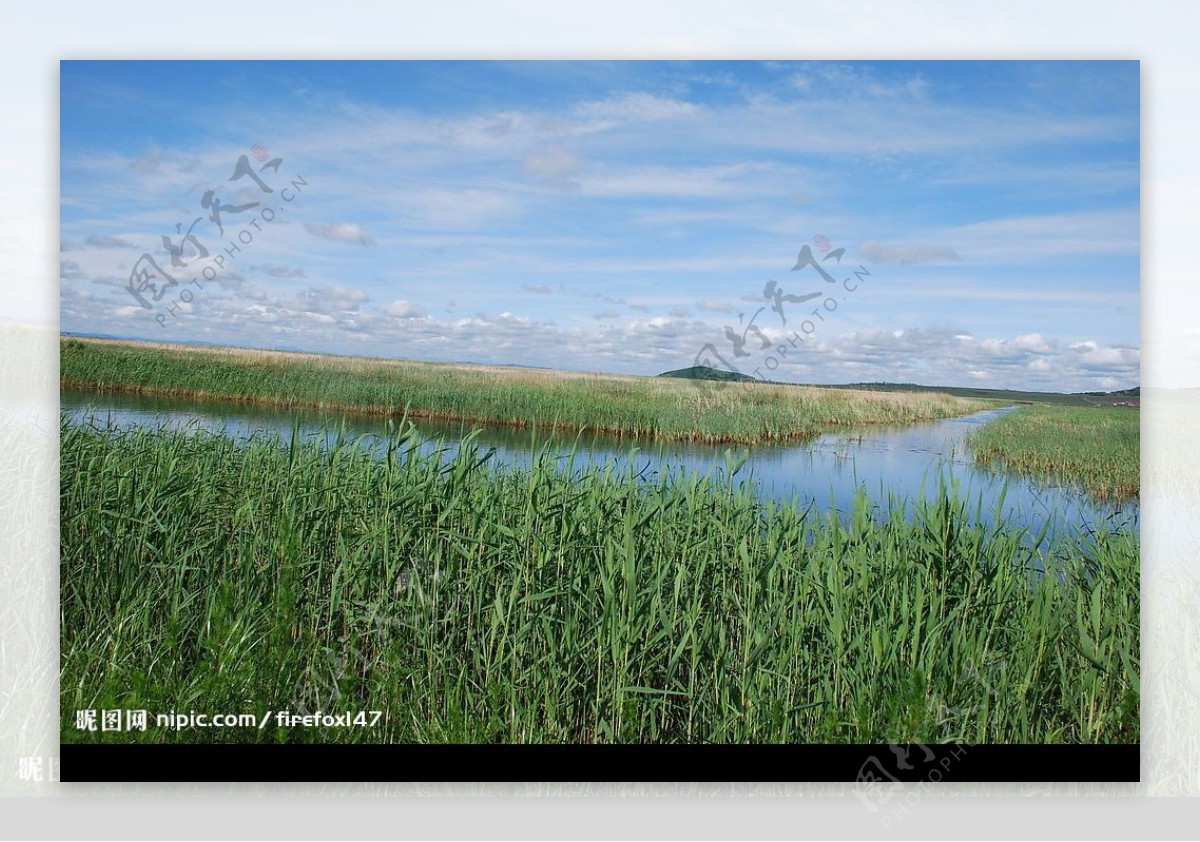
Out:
{"x": 950, "y": 223}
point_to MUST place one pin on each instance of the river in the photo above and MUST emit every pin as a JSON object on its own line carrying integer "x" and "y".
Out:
{"x": 888, "y": 463}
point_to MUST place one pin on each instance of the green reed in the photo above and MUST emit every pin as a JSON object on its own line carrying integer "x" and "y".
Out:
{"x": 636, "y": 407}
{"x": 566, "y": 604}
{"x": 1095, "y": 447}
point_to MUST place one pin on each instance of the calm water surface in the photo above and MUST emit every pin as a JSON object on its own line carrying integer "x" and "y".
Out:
{"x": 888, "y": 463}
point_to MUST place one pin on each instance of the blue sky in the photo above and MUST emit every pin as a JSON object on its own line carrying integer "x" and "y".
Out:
{"x": 619, "y": 216}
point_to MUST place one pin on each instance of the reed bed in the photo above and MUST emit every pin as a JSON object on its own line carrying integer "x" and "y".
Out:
{"x": 1097, "y": 448}
{"x": 566, "y": 605}
{"x": 634, "y": 407}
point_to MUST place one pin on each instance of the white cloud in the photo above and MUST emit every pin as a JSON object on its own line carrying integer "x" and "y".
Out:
{"x": 277, "y": 270}
{"x": 554, "y": 167}
{"x": 1029, "y": 238}
{"x": 402, "y": 309}
{"x": 1093, "y": 356}
{"x": 463, "y": 208}
{"x": 1035, "y": 343}
{"x": 329, "y": 300}
{"x": 453, "y": 201}
{"x": 641, "y": 107}
{"x": 104, "y": 242}
{"x": 341, "y": 232}
{"x": 744, "y": 178}
{"x": 946, "y": 355}
{"x": 148, "y": 162}
{"x": 69, "y": 270}
{"x": 875, "y": 252}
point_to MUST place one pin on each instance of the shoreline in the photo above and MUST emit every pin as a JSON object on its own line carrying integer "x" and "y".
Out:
{"x": 624, "y": 406}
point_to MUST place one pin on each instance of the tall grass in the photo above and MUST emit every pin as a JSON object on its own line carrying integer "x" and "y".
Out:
{"x": 637, "y": 407}
{"x": 1096, "y": 447}
{"x": 559, "y": 604}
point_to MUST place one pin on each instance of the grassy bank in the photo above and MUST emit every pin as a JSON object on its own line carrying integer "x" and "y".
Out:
{"x": 637, "y": 407}
{"x": 528, "y": 606}
{"x": 1096, "y": 447}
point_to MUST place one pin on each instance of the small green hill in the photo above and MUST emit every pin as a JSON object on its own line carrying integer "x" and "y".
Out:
{"x": 703, "y": 372}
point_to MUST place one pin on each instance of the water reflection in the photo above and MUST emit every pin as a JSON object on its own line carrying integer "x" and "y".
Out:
{"x": 889, "y": 463}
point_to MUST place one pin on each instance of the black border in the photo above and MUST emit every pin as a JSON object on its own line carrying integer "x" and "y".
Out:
{"x": 297, "y": 763}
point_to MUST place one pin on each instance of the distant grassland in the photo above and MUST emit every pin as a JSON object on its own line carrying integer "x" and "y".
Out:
{"x": 638, "y": 407}
{"x": 481, "y": 605}
{"x": 1096, "y": 447}
{"x": 1009, "y": 396}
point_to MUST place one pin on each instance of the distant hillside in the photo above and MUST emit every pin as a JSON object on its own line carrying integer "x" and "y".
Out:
{"x": 1135, "y": 392}
{"x": 1125, "y": 397}
{"x": 703, "y": 372}
{"x": 1129, "y": 396}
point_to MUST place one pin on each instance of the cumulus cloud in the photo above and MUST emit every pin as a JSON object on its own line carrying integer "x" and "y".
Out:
{"x": 341, "y": 232}
{"x": 1109, "y": 359}
{"x": 336, "y": 318}
{"x": 276, "y": 270}
{"x": 102, "y": 242}
{"x": 461, "y": 184}
{"x": 329, "y": 299}
{"x": 948, "y": 356}
{"x": 227, "y": 277}
{"x": 69, "y": 270}
{"x": 876, "y": 252}
{"x": 402, "y": 309}
{"x": 1017, "y": 348}
{"x": 1035, "y": 343}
